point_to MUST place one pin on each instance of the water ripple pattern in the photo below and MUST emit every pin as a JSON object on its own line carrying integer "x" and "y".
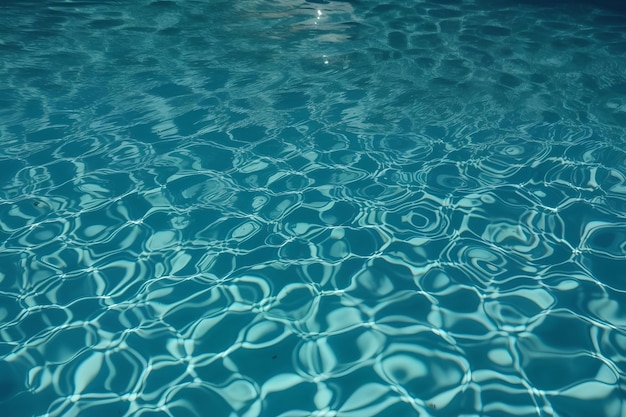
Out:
{"x": 301, "y": 208}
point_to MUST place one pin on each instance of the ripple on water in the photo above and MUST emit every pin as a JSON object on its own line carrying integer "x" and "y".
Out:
{"x": 331, "y": 209}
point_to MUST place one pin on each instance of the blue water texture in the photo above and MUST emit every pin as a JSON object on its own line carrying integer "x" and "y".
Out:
{"x": 326, "y": 208}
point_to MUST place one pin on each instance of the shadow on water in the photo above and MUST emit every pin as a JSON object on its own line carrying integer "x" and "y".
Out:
{"x": 615, "y": 6}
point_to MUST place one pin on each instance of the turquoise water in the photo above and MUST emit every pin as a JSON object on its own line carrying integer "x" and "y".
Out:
{"x": 312, "y": 208}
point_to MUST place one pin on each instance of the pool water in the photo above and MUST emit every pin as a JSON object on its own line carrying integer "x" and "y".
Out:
{"x": 298, "y": 208}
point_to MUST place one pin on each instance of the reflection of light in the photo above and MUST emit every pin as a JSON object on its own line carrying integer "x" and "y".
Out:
{"x": 319, "y": 15}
